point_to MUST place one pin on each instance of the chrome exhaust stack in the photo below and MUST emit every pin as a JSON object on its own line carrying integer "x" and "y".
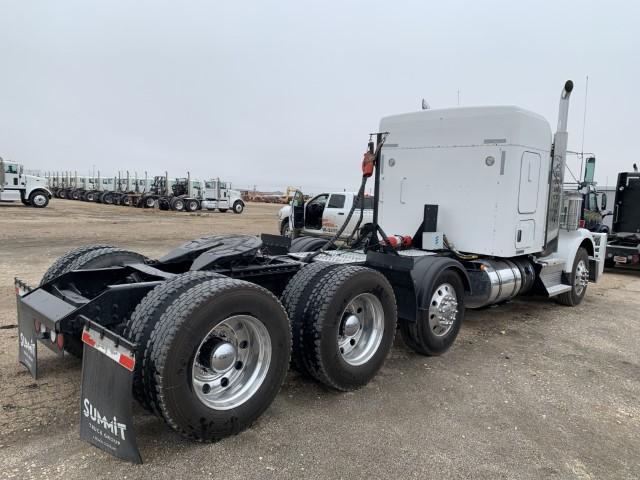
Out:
{"x": 556, "y": 172}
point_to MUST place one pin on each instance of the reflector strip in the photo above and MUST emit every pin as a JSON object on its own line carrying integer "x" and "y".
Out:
{"x": 108, "y": 347}
{"x": 86, "y": 338}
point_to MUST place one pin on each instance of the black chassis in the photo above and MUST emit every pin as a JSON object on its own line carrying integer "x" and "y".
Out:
{"x": 108, "y": 296}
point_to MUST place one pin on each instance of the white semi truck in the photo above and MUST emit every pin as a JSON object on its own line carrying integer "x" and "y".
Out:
{"x": 16, "y": 186}
{"x": 468, "y": 211}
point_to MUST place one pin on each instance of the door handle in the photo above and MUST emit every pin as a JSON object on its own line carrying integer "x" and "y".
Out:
{"x": 340, "y": 213}
{"x": 402, "y": 189}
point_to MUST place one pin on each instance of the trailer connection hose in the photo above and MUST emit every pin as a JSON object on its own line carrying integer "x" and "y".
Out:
{"x": 370, "y": 159}
{"x": 331, "y": 242}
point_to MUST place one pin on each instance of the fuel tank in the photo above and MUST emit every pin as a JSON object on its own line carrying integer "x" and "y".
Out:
{"x": 495, "y": 281}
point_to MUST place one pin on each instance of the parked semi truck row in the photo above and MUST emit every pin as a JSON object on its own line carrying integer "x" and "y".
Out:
{"x": 179, "y": 194}
{"x": 203, "y": 337}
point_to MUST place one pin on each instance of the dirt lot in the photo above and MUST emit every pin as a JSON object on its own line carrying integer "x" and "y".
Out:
{"x": 530, "y": 389}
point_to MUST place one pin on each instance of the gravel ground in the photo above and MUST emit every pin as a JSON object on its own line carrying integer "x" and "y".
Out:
{"x": 530, "y": 389}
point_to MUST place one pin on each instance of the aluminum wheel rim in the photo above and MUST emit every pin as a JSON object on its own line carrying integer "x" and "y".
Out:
{"x": 179, "y": 205}
{"x": 581, "y": 278}
{"x": 238, "y": 207}
{"x": 39, "y": 200}
{"x": 231, "y": 362}
{"x": 361, "y": 329}
{"x": 443, "y": 309}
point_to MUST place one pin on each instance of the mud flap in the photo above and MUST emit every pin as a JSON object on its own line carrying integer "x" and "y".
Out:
{"x": 27, "y": 335}
{"x": 106, "y": 418}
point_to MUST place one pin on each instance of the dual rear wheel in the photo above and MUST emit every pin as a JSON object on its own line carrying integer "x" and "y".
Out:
{"x": 343, "y": 320}
{"x": 212, "y": 353}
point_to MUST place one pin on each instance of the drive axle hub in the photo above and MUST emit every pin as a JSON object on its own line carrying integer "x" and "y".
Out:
{"x": 223, "y": 357}
{"x": 351, "y": 325}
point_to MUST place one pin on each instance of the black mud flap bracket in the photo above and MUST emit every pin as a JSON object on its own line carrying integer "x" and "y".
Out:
{"x": 27, "y": 335}
{"x": 39, "y": 314}
{"x": 106, "y": 418}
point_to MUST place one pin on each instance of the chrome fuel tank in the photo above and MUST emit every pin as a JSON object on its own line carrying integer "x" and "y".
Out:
{"x": 495, "y": 281}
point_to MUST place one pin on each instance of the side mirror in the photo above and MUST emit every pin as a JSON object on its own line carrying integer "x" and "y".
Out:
{"x": 589, "y": 170}
{"x": 603, "y": 201}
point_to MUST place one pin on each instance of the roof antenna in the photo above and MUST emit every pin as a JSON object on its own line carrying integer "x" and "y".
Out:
{"x": 635, "y": 167}
{"x": 425, "y": 105}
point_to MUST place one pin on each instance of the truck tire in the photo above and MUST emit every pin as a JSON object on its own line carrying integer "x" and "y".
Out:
{"x": 192, "y": 205}
{"x": 61, "y": 265}
{"x": 285, "y": 231}
{"x": 97, "y": 258}
{"x": 306, "y": 244}
{"x": 436, "y": 329}
{"x": 38, "y": 199}
{"x": 62, "y": 194}
{"x": 295, "y": 300}
{"x": 148, "y": 202}
{"x": 125, "y": 201}
{"x": 90, "y": 197}
{"x": 348, "y": 327}
{"x": 104, "y": 258}
{"x": 75, "y": 195}
{"x": 578, "y": 279}
{"x": 238, "y": 207}
{"x": 220, "y": 355}
{"x": 143, "y": 320}
{"x": 177, "y": 204}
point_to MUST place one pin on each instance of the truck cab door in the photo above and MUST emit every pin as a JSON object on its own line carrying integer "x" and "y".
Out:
{"x": 223, "y": 195}
{"x": 296, "y": 219}
{"x": 334, "y": 213}
{"x": 10, "y": 185}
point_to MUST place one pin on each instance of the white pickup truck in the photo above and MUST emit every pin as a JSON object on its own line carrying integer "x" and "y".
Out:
{"x": 324, "y": 214}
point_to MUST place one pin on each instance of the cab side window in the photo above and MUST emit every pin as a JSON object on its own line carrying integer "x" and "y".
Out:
{"x": 336, "y": 201}
{"x": 12, "y": 169}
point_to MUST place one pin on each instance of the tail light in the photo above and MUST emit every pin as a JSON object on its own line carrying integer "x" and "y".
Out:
{"x": 60, "y": 341}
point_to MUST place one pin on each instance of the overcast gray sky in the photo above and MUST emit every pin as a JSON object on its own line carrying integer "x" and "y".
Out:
{"x": 279, "y": 93}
